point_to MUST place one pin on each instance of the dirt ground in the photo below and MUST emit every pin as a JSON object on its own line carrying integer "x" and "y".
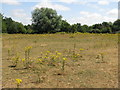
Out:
{"x": 91, "y": 60}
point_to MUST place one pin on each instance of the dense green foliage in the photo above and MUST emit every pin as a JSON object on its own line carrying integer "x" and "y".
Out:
{"x": 65, "y": 26}
{"x": 46, "y": 20}
{"x": 10, "y": 26}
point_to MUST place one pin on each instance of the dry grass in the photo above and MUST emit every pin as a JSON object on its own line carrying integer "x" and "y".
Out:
{"x": 86, "y": 71}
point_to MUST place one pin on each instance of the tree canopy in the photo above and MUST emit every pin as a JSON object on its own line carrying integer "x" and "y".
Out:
{"x": 46, "y": 20}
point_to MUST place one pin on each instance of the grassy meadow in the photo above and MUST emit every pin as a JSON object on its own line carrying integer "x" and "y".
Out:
{"x": 60, "y": 60}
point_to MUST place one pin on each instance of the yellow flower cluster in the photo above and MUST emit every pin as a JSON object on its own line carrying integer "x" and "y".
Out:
{"x": 28, "y": 48}
{"x": 23, "y": 59}
{"x": 48, "y": 51}
{"x": 18, "y": 81}
{"x": 58, "y": 53}
{"x": 54, "y": 56}
{"x": 81, "y": 49}
{"x": 102, "y": 53}
{"x": 40, "y": 60}
{"x": 78, "y": 54}
{"x": 64, "y": 58}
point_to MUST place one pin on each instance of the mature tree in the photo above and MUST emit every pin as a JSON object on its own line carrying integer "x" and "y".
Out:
{"x": 9, "y": 25}
{"x": 84, "y": 28}
{"x": 65, "y": 26}
{"x": 105, "y": 27}
{"x": 105, "y": 24}
{"x": 116, "y": 26}
{"x": 73, "y": 28}
{"x": 95, "y": 31}
{"x": 46, "y": 20}
{"x": 79, "y": 27}
{"x": 12, "y": 27}
{"x": 76, "y": 28}
{"x": 106, "y": 30}
{"x": 97, "y": 26}
{"x": 20, "y": 28}
{"x": 29, "y": 29}
{"x": 3, "y": 28}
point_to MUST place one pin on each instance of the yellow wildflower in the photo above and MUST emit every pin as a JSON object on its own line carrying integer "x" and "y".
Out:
{"x": 56, "y": 51}
{"x": 64, "y": 58}
{"x": 78, "y": 54}
{"x": 40, "y": 60}
{"x": 46, "y": 57}
{"x": 27, "y": 48}
{"x": 18, "y": 81}
{"x": 56, "y": 56}
{"x": 102, "y": 53}
{"x": 23, "y": 59}
{"x": 75, "y": 56}
{"x": 59, "y": 53}
{"x": 81, "y": 49}
{"x": 48, "y": 51}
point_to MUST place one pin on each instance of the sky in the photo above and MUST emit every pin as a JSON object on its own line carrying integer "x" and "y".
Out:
{"x": 73, "y": 11}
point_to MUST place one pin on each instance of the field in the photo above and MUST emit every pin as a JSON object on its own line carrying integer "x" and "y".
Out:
{"x": 60, "y": 60}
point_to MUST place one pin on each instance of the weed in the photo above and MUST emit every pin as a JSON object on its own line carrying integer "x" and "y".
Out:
{"x": 100, "y": 58}
{"x": 9, "y": 53}
{"x": 27, "y": 56}
{"x": 63, "y": 63}
{"x": 15, "y": 60}
{"x": 74, "y": 49}
{"x": 18, "y": 82}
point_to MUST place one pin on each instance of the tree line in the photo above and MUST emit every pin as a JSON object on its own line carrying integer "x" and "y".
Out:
{"x": 46, "y": 20}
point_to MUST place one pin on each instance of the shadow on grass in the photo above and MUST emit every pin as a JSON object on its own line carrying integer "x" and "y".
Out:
{"x": 12, "y": 66}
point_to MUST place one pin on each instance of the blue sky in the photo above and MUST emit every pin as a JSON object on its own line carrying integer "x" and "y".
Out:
{"x": 74, "y": 11}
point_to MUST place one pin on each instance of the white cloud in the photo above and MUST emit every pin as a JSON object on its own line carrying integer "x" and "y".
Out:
{"x": 103, "y": 2}
{"x": 89, "y": 14}
{"x": 48, "y": 4}
{"x": 113, "y": 12}
{"x": 68, "y": 1}
{"x": 10, "y": 2}
{"x": 19, "y": 13}
{"x": 90, "y": 18}
{"x": 94, "y": 7}
{"x": 20, "y": 16}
